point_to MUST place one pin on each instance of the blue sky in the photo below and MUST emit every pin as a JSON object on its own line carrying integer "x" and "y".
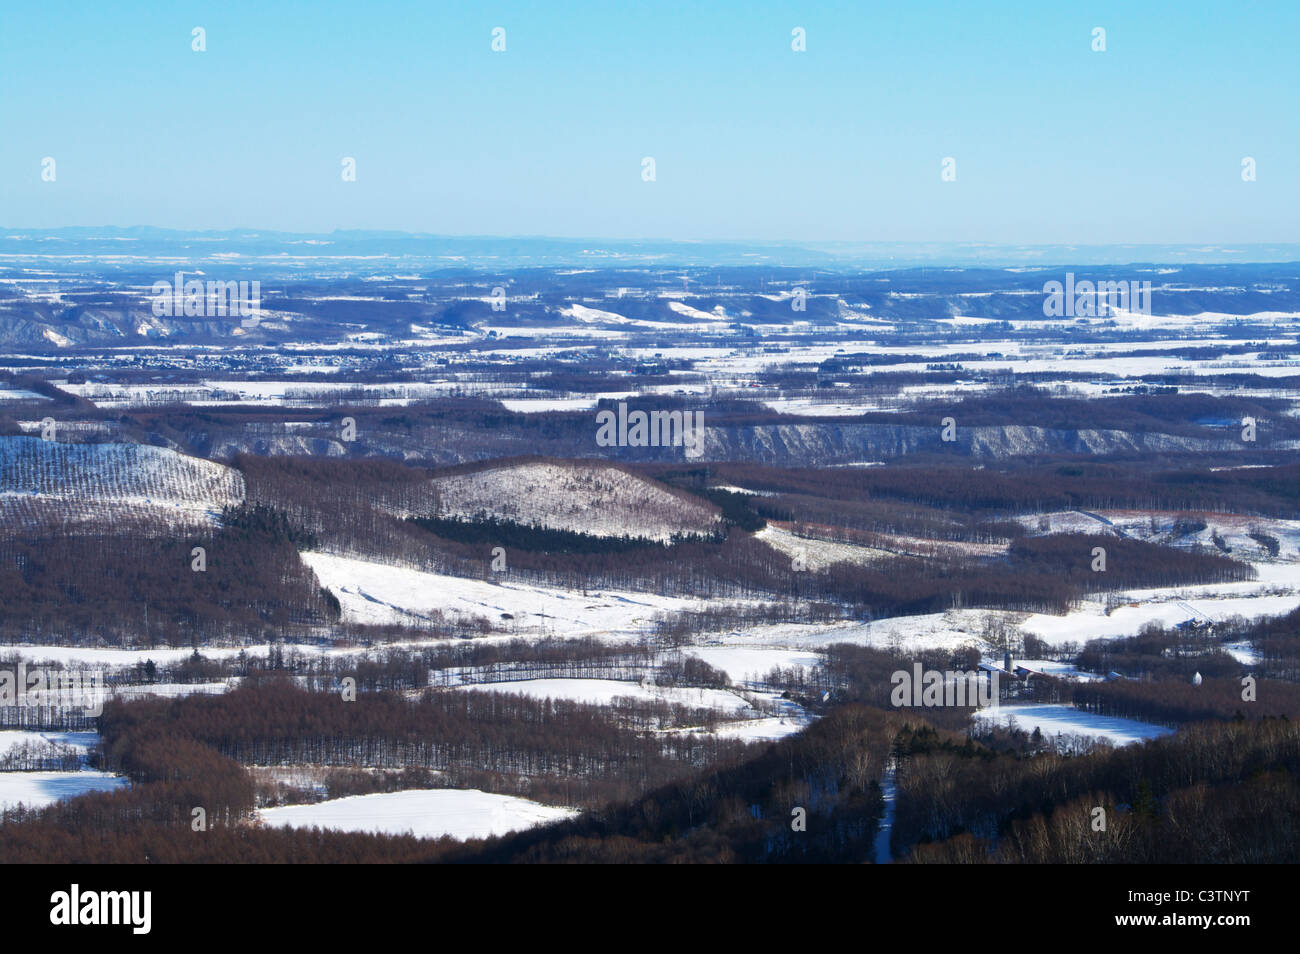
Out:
{"x": 1053, "y": 143}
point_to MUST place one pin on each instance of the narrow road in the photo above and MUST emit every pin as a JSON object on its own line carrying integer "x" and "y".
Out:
{"x": 1099, "y": 517}
{"x": 883, "y": 856}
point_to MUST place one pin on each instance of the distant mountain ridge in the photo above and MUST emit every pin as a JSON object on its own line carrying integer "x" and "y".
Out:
{"x": 386, "y": 249}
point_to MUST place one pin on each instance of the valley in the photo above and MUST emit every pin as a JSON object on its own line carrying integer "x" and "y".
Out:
{"x": 375, "y": 563}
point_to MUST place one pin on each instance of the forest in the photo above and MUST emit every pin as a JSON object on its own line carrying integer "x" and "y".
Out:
{"x": 113, "y": 584}
{"x": 113, "y": 578}
{"x": 1222, "y": 790}
{"x": 658, "y": 781}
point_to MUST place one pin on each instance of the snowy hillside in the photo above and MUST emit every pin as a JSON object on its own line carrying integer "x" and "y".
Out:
{"x": 127, "y": 474}
{"x": 1239, "y": 535}
{"x": 586, "y": 498}
{"x": 817, "y": 554}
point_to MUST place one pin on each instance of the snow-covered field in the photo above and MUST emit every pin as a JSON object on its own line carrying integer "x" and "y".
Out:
{"x": 811, "y": 407}
{"x": 380, "y": 593}
{"x": 171, "y": 690}
{"x": 817, "y": 554}
{"x": 38, "y": 789}
{"x": 951, "y": 630}
{"x": 771, "y": 729}
{"x": 1167, "y": 608}
{"x": 1178, "y": 529}
{"x": 1277, "y": 592}
{"x": 431, "y": 813}
{"x": 1054, "y": 720}
{"x": 82, "y": 742}
{"x": 275, "y": 392}
{"x": 743, "y": 664}
{"x": 20, "y": 394}
{"x": 605, "y": 691}
{"x": 111, "y": 658}
{"x": 541, "y": 405}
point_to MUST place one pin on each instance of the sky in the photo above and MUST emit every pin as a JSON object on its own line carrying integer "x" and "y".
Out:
{"x": 1053, "y": 142}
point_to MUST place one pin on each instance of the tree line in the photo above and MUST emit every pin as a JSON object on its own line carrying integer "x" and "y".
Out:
{"x": 1215, "y": 792}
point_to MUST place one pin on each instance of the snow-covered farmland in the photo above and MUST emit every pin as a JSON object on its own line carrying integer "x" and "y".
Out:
{"x": 744, "y": 665}
{"x": 82, "y": 742}
{"x": 596, "y": 316}
{"x": 688, "y": 311}
{"x": 1181, "y": 529}
{"x": 1091, "y": 621}
{"x": 771, "y": 729}
{"x": 954, "y": 629}
{"x": 817, "y": 554}
{"x": 1054, "y": 720}
{"x": 542, "y": 405}
{"x": 378, "y": 593}
{"x": 171, "y": 690}
{"x": 605, "y": 691}
{"x": 811, "y": 407}
{"x": 38, "y": 789}
{"x": 431, "y": 813}
{"x": 109, "y": 658}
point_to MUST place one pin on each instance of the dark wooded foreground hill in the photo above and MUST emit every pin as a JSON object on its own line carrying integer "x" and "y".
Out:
{"x": 1224, "y": 788}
